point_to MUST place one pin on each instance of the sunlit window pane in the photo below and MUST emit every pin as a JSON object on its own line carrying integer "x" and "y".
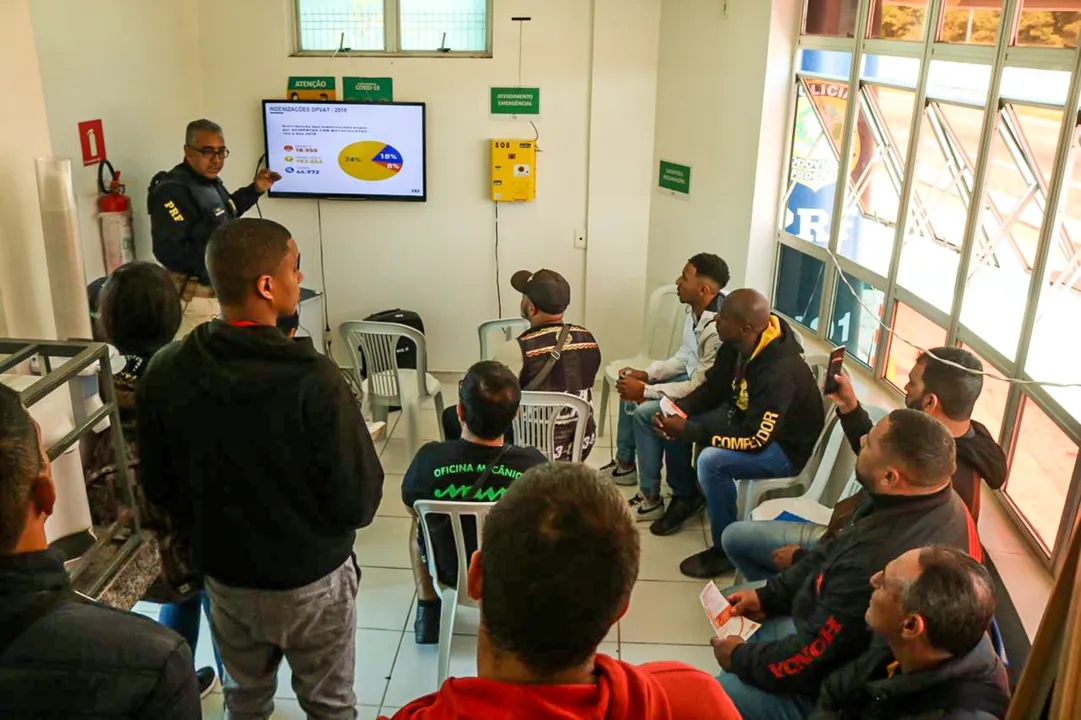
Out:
{"x": 836, "y": 18}
{"x": 898, "y": 19}
{"x": 970, "y": 25}
{"x": 1042, "y": 25}
{"x": 904, "y": 71}
{"x": 916, "y": 329}
{"x": 853, "y": 326}
{"x": 798, "y": 292}
{"x": 330, "y": 24}
{"x": 812, "y": 173}
{"x": 457, "y": 25}
{"x": 991, "y": 407}
{"x": 1040, "y": 471}
{"x": 825, "y": 62}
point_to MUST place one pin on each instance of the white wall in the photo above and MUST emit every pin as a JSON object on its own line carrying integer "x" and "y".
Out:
{"x": 722, "y": 105}
{"x": 134, "y": 64}
{"x": 25, "y": 302}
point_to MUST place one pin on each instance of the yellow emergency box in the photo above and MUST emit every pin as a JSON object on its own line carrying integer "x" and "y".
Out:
{"x": 514, "y": 170}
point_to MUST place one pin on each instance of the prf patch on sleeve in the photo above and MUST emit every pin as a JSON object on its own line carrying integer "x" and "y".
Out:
{"x": 174, "y": 212}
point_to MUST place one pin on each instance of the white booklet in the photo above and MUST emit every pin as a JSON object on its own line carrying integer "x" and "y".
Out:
{"x": 721, "y": 617}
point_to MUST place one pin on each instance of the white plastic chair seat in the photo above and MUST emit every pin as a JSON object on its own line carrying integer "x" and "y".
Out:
{"x": 800, "y": 507}
{"x": 408, "y": 386}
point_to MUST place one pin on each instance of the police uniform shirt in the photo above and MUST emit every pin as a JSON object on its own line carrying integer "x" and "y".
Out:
{"x": 185, "y": 208}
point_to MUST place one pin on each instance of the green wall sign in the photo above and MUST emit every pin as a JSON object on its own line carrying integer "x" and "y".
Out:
{"x": 675, "y": 177}
{"x": 368, "y": 89}
{"x": 515, "y": 101}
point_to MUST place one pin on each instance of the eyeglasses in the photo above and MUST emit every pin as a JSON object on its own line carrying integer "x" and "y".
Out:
{"x": 210, "y": 152}
{"x": 298, "y": 262}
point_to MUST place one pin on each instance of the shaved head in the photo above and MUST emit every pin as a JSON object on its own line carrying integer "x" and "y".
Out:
{"x": 748, "y": 307}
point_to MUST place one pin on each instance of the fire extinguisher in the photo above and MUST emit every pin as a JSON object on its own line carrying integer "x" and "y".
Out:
{"x": 114, "y": 206}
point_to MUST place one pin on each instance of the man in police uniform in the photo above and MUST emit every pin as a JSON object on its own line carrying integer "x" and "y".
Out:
{"x": 185, "y": 205}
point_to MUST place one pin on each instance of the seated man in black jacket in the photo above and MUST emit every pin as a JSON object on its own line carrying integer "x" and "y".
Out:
{"x": 253, "y": 443}
{"x": 759, "y": 410}
{"x": 814, "y": 611}
{"x": 479, "y": 467}
{"x": 62, "y": 655}
{"x": 930, "y": 611}
{"x": 946, "y": 392}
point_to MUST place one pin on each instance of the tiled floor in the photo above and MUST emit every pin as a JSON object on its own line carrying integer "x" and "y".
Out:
{"x": 664, "y": 621}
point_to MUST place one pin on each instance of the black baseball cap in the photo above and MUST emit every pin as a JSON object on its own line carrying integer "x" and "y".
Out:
{"x": 547, "y": 289}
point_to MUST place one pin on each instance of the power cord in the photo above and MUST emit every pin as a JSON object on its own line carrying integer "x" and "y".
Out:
{"x": 323, "y": 275}
{"x": 498, "y": 293}
{"x": 925, "y": 351}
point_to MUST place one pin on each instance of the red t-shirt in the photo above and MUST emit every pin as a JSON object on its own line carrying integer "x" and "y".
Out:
{"x": 654, "y": 691}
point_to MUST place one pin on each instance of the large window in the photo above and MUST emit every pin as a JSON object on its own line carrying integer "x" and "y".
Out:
{"x": 935, "y": 196}
{"x": 446, "y": 27}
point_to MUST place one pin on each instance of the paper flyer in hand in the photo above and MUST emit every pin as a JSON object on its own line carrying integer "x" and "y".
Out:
{"x": 721, "y": 617}
{"x": 670, "y": 408}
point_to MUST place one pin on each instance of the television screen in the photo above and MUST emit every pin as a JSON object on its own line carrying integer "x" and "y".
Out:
{"x": 372, "y": 151}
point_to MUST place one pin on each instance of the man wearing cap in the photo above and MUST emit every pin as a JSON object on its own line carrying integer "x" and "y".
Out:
{"x": 551, "y": 356}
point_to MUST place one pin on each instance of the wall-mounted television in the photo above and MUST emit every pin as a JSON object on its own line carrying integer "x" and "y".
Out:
{"x": 347, "y": 150}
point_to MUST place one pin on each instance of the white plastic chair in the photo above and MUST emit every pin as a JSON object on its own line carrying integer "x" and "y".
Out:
{"x": 388, "y": 385}
{"x": 511, "y": 327}
{"x": 538, "y": 413}
{"x": 831, "y": 481}
{"x": 673, "y": 335}
{"x": 450, "y": 597}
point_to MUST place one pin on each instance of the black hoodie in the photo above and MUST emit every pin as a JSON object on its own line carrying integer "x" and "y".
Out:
{"x": 254, "y": 444}
{"x": 771, "y": 397}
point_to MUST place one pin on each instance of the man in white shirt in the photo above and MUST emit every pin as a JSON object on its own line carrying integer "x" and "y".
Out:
{"x": 699, "y": 286}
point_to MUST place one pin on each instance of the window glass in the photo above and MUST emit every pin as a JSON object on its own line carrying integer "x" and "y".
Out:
{"x": 1040, "y": 471}
{"x": 970, "y": 25}
{"x": 916, "y": 329}
{"x": 1042, "y": 25}
{"x": 999, "y": 273}
{"x": 853, "y": 326}
{"x": 991, "y": 407}
{"x": 458, "y": 25}
{"x": 1043, "y": 86}
{"x": 945, "y": 166}
{"x": 799, "y": 286}
{"x": 891, "y": 69}
{"x": 836, "y": 18}
{"x": 322, "y": 23}
{"x": 898, "y": 19}
{"x": 878, "y": 159}
{"x": 826, "y": 62}
{"x": 812, "y": 170}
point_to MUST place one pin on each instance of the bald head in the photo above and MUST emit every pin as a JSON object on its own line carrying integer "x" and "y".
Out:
{"x": 748, "y": 307}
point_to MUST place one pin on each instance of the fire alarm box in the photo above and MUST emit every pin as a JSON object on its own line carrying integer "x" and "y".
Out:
{"x": 514, "y": 170}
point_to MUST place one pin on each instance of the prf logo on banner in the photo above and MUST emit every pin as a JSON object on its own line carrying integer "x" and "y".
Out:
{"x": 311, "y": 88}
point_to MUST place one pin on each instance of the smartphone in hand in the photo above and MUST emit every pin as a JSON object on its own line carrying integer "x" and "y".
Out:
{"x": 833, "y": 369}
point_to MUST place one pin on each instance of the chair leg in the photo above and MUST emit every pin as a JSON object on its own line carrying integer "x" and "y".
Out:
{"x": 380, "y": 413}
{"x": 439, "y": 414}
{"x": 604, "y": 408}
{"x": 449, "y": 600}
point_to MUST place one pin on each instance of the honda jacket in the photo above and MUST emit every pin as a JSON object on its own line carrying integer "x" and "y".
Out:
{"x": 828, "y": 591}
{"x": 971, "y": 687}
{"x": 772, "y": 397}
{"x": 255, "y": 445}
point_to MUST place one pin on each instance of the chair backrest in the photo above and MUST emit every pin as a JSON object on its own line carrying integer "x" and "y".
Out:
{"x": 453, "y": 511}
{"x": 378, "y": 342}
{"x": 538, "y": 414}
{"x": 852, "y": 487}
{"x": 510, "y": 327}
{"x": 798, "y": 335}
{"x": 664, "y": 323}
{"x": 818, "y": 364}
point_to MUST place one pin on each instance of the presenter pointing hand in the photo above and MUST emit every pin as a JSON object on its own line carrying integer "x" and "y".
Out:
{"x": 265, "y": 178}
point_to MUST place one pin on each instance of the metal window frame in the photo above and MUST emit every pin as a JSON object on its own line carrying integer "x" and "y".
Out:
{"x": 999, "y": 56}
{"x": 392, "y": 38}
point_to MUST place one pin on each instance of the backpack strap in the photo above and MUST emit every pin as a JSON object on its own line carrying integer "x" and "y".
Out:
{"x": 482, "y": 481}
{"x": 553, "y": 358}
{"x": 961, "y": 695}
{"x": 13, "y": 627}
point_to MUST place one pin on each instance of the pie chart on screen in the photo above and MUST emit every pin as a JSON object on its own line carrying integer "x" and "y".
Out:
{"x": 370, "y": 160}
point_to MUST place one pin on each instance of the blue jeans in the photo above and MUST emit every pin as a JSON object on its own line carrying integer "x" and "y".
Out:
{"x": 634, "y": 432}
{"x": 755, "y": 704}
{"x": 749, "y": 544}
{"x": 719, "y": 469}
{"x": 184, "y": 617}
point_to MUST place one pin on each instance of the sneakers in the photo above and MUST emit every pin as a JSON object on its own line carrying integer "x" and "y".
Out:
{"x": 620, "y": 476}
{"x": 644, "y": 510}
{"x": 426, "y": 626}
{"x": 207, "y": 681}
{"x": 680, "y": 510}
{"x": 706, "y": 564}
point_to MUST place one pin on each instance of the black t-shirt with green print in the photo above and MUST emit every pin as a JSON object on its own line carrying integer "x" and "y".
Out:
{"x": 448, "y": 471}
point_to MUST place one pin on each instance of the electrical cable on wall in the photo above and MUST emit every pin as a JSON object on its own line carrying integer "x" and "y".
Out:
{"x": 893, "y": 333}
{"x": 498, "y": 294}
{"x": 323, "y": 275}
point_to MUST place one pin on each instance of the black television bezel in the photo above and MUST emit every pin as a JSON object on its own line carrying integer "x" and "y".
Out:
{"x": 423, "y": 197}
